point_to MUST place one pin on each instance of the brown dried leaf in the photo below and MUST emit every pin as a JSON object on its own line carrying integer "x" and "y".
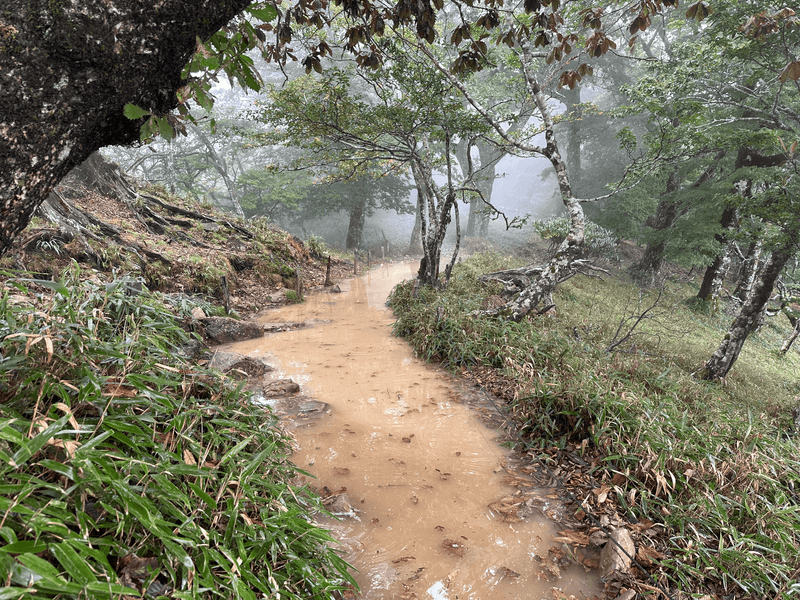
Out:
{"x": 648, "y": 556}
{"x": 188, "y": 458}
{"x": 569, "y": 536}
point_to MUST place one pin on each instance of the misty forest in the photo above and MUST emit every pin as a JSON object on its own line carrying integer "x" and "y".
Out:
{"x": 600, "y": 204}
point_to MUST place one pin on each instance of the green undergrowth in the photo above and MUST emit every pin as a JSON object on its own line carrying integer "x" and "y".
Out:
{"x": 716, "y": 464}
{"x": 128, "y": 471}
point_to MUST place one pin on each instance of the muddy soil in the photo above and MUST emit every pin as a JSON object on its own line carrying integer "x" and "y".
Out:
{"x": 421, "y": 486}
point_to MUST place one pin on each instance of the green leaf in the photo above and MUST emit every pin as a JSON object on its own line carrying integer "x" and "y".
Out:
{"x": 264, "y": 13}
{"x": 203, "y": 496}
{"x": 73, "y": 563}
{"x": 56, "y": 286}
{"x": 31, "y": 546}
{"x": 133, "y": 112}
{"x": 38, "y": 565}
{"x": 164, "y": 128}
{"x": 34, "y": 445}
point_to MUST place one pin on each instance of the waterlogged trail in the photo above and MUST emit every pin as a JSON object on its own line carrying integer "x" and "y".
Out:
{"x": 419, "y": 469}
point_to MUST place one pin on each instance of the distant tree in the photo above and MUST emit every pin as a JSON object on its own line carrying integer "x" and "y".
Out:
{"x": 75, "y": 77}
{"x": 397, "y": 117}
{"x": 292, "y": 198}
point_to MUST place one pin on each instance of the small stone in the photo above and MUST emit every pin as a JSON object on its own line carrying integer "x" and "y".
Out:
{"x": 198, "y": 313}
{"x": 612, "y": 558}
{"x": 335, "y": 290}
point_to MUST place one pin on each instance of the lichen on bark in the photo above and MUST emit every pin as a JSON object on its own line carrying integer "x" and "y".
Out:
{"x": 67, "y": 72}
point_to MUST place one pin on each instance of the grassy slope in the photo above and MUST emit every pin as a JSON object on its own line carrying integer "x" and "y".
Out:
{"x": 709, "y": 462}
{"x": 125, "y": 468}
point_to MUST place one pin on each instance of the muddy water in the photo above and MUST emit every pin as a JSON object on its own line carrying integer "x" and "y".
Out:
{"x": 415, "y": 470}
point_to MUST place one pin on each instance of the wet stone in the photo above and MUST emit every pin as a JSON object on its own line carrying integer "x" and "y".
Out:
{"x": 278, "y": 327}
{"x": 280, "y": 387}
{"x": 239, "y": 365}
{"x": 223, "y": 330}
{"x": 617, "y": 553}
{"x": 311, "y": 406}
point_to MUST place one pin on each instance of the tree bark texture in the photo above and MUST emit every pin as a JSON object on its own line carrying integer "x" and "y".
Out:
{"x": 572, "y": 99}
{"x": 67, "y": 69}
{"x": 711, "y": 278}
{"x": 748, "y": 318}
{"x": 749, "y": 271}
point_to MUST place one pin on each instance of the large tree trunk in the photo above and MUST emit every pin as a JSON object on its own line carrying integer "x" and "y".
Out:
{"x": 67, "y": 69}
{"x": 748, "y": 318}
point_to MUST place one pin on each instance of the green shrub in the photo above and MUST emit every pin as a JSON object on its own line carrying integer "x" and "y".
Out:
{"x": 715, "y": 466}
{"x": 124, "y": 466}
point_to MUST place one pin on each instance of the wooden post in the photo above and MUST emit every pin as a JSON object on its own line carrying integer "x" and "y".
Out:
{"x": 355, "y": 263}
{"x": 383, "y": 253}
{"x": 226, "y": 297}
{"x": 369, "y": 259}
{"x": 298, "y": 284}
{"x": 328, "y": 272}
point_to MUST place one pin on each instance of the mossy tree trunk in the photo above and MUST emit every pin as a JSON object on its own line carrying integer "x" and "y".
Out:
{"x": 67, "y": 69}
{"x": 748, "y": 318}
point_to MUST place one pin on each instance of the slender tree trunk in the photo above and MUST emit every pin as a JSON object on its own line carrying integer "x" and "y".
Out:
{"x": 716, "y": 270}
{"x": 415, "y": 243}
{"x": 355, "y": 228}
{"x": 719, "y": 277}
{"x": 68, "y": 71}
{"x": 749, "y": 271}
{"x": 652, "y": 261}
{"x": 789, "y": 342}
{"x": 747, "y": 320}
{"x": 570, "y": 249}
{"x": 667, "y": 212}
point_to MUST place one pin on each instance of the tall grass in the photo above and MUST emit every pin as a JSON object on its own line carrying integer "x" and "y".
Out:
{"x": 127, "y": 471}
{"x": 715, "y": 464}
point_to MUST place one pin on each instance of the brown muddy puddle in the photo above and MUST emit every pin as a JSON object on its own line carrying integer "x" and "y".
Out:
{"x": 411, "y": 471}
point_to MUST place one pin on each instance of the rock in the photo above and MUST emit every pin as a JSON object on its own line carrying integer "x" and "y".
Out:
{"x": 312, "y": 406}
{"x": 335, "y": 290}
{"x": 278, "y": 327}
{"x": 612, "y": 558}
{"x": 193, "y": 350}
{"x": 211, "y": 226}
{"x": 233, "y": 362}
{"x": 279, "y": 387}
{"x": 626, "y": 595}
{"x": 223, "y": 330}
{"x": 198, "y": 313}
{"x": 339, "y": 505}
